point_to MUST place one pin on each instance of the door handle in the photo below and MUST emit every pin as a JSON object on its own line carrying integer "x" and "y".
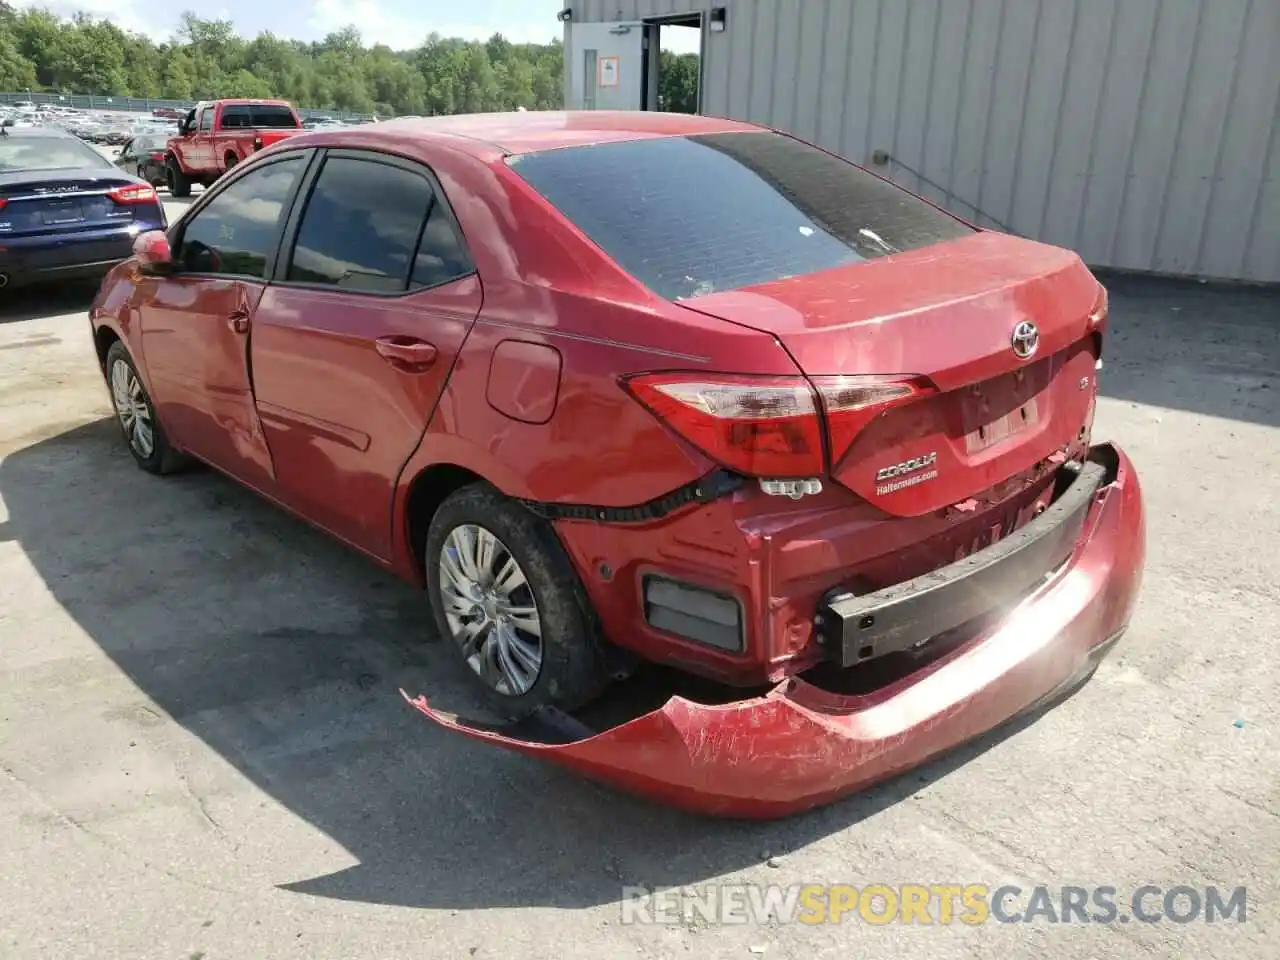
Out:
{"x": 239, "y": 322}
{"x": 406, "y": 352}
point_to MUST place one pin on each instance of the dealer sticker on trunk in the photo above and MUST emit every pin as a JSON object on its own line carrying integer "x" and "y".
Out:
{"x": 908, "y": 469}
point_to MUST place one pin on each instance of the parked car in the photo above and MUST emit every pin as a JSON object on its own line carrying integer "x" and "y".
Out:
{"x": 116, "y": 134}
{"x": 625, "y": 387}
{"x": 65, "y": 211}
{"x": 143, "y": 156}
{"x": 216, "y": 136}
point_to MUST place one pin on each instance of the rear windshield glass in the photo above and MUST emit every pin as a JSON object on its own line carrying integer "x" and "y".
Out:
{"x": 47, "y": 153}
{"x": 689, "y": 216}
{"x": 268, "y": 116}
{"x": 256, "y": 115}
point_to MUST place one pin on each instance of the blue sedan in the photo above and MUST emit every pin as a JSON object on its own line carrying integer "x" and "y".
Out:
{"x": 65, "y": 211}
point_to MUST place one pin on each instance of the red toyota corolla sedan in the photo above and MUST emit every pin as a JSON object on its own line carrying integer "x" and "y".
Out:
{"x": 618, "y": 387}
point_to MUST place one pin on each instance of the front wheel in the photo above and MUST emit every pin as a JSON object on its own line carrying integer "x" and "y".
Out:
{"x": 505, "y": 594}
{"x": 136, "y": 415}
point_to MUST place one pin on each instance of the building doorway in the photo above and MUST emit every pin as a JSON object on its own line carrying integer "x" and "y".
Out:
{"x": 635, "y": 65}
{"x": 674, "y": 57}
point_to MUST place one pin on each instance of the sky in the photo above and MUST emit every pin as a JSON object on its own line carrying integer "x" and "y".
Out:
{"x": 401, "y": 24}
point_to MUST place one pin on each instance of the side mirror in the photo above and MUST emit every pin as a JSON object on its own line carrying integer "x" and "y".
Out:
{"x": 153, "y": 253}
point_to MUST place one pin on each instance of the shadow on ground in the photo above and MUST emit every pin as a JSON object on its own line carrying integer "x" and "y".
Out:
{"x": 1212, "y": 349}
{"x": 48, "y": 300}
{"x": 283, "y": 652}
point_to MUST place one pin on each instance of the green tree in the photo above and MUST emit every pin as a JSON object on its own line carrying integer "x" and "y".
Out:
{"x": 678, "y": 82}
{"x": 208, "y": 59}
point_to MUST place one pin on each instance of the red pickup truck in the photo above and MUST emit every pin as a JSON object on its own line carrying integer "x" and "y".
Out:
{"x": 216, "y": 135}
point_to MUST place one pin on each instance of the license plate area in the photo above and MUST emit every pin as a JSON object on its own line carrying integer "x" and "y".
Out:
{"x": 996, "y": 431}
{"x": 996, "y": 410}
{"x": 59, "y": 212}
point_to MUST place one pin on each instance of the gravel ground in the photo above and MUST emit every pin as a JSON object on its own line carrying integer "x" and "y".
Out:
{"x": 203, "y": 755}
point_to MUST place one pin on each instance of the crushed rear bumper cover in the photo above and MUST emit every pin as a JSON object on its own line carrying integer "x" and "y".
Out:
{"x": 799, "y": 746}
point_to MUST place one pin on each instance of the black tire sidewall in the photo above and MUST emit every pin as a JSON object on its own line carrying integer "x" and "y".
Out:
{"x": 179, "y": 186}
{"x": 573, "y": 668}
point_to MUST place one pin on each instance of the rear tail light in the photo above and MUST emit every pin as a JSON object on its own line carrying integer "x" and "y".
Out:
{"x": 257, "y": 143}
{"x": 770, "y": 426}
{"x": 158, "y": 156}
{"x": 758, "y": 426}
{"x": 138, "y": 193}
{"x": 850, "y": 403}
{"x": 3, "y": 203}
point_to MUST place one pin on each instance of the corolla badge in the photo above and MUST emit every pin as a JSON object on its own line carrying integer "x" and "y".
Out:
{"x": 1025, "y": 340}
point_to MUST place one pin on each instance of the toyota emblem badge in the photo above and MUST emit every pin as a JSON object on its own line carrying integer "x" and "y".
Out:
{"x": 1025, "y": 340}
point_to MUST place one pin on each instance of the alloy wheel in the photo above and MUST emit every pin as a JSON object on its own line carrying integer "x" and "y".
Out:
{"x": 491, "y": 610}
{"x": 133, "y": 409}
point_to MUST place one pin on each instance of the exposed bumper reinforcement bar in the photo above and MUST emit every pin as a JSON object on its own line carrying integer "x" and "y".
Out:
{"x": 859, "y": 628}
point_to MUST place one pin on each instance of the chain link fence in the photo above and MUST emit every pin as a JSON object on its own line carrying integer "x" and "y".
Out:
{"x": 90, "y": 101}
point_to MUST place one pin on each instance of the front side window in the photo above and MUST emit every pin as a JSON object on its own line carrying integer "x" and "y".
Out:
{"x": 235, "y": 233}
{"x": 206, "y": 118}
{"x": 362, "y": 226}
{"x": 689, "y": 216}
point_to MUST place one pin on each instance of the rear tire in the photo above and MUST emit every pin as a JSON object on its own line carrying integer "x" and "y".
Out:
{"x": 229, "y": 161}
{"x": 136, "y": 415}
{"x": 506, "y": 596}
{"x": 179, "y": 185}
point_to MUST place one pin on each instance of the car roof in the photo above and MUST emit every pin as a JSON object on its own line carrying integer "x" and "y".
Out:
{"x": 514, "y": 133}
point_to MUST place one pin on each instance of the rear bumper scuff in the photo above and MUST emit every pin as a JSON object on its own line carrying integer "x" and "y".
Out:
{"x": 799, "y": 746}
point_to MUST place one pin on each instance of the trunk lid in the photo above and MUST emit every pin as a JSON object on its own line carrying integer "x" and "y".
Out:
{"x": 946, "y": 314}
{"x": 37, "y": 202}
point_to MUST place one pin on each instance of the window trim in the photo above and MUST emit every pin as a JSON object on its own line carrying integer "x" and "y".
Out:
{"x": 177, "y": 232}
{"x": 289, "y": 239}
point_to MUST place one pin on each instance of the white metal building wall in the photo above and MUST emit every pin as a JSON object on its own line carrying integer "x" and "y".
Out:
{"x": 1142, "y": 133}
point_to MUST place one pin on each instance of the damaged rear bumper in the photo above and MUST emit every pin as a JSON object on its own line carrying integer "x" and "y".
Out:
{"x": 799, "y": 746}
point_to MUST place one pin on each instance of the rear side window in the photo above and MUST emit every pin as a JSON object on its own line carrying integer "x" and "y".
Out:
{"x": 377, "y": 228}
{"x": 690, "y": 216}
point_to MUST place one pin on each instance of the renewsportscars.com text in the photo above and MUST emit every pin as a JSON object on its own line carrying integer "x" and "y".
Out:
{"x": 928, "y": 904}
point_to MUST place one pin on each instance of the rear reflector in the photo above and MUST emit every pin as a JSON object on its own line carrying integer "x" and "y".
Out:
{"x": 138, "y": 193}
{"x": 693, "y": 613}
